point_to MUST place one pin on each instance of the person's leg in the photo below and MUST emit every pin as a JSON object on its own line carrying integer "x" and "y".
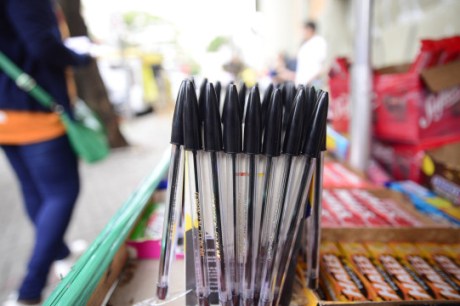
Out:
{"x": 30, "y": 194}
{"x": 54, "y": 168}
{"x": 31, "y": 197}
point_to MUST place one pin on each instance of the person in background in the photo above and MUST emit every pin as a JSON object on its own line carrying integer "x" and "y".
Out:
{"x": 311, "y": 57}
{"x": 33, "y": 138}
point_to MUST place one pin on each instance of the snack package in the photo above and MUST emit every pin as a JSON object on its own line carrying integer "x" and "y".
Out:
{"x": 327, "y": 219}
{"x": 344, "y": 216}
{"x": 439, "y": 256}
{"x": 411, "y": 256}
{"x": 387, "y": 209}
{"x": 454, "y": 251}
{"x": 340, "y": 281}
{"x": 428, "y": 202}
{"x": 410, "y": 285}
{"x": 383, "y": 286}
{"x": 352, "y": 204}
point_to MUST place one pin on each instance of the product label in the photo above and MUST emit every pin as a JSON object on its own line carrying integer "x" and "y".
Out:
{"x": 344, "y": 283}
{"x": 405, "y": 281}
{"x": 440, "y": 287}
{"x": 387, "y": 209}
{"x": 344, "y": 216}
{"x": 382, "y": 288}
{"x": 369, "y": 217}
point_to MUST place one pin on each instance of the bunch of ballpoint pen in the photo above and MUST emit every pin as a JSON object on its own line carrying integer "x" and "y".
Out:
{"x": 243, "y": 168}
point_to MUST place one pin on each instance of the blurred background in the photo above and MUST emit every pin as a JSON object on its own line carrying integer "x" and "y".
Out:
{"x": 145, "y": 48}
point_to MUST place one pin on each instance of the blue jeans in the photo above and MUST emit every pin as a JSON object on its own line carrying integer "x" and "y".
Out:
{"x": 48, "y": 175}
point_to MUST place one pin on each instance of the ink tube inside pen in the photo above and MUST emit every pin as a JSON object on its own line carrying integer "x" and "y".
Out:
{"x": 192, "y": 145}
{"x": 250, "y": 163}
{"x": 211, "y": 192}
{"x": 232, "y": 143}
{"x": 314, "y": 222}
{"x": 173, "y": 197}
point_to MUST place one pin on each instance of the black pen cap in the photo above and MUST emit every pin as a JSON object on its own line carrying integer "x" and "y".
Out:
{"x": 177, "y": 131}
{"x": 295, "y": 125}
{"x": 311, "y": 101}
{"x": 316, "y": 128}
{"x": 201, "y": 98}
{"x": 192, "y": 124}
{"x": 324, "y": 95}
{"x": 218, "y": 89}
{"x": 252, "y": 127}
{"x": 242, "y": 98}
{"x": 265, "y": 101}
{"x": 289, "y": 92}
{"x": 212, "y": 128}
{"x": 273, "y": 125}
{"x": 232, "y": 123}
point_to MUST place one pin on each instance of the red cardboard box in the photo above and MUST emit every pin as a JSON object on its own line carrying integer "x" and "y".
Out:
{"x": 404, "y": 162}
{"x": 412, "y": 108}
{"x": 415, "y": 103}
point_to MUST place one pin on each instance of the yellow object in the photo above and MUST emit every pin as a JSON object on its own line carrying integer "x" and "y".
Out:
{"x": 428, "y": 165}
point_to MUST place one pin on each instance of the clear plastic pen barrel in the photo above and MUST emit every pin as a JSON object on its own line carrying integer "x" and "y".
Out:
{"x": 198, "y": 232}
{"x": 314, "y": 227}
{"x": 210, "y": 196}
{"x": 172, "y": 216}
{"x": 229, "y": 197}
{"x": 252, "y": 178}
{"x": 271, "y": 187}
{"x": 277, "y": 202}
{"x": 299, "y": 203}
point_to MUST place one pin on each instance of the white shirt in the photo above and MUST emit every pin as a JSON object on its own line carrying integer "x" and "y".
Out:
{"x": 310, "y": 60}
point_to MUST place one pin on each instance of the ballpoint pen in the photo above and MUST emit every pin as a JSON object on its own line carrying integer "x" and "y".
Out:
{"x": 211, "y": 189}
{"x": 311, "y": 149}
{"x": 310, "y": 103}
{"x": 271, "y": 148}
{"x": 232, "y": 147}
{"x": 314, "y": 222}
{"x": 251, "y": 148}
{"x": 192, "y": 146}
{"x": 291, "y": 148}
{"x": 174, "y": 196}
{"x": 242, "y": 99}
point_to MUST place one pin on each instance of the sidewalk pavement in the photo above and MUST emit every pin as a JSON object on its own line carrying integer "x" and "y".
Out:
{"x": 105, "y": 186}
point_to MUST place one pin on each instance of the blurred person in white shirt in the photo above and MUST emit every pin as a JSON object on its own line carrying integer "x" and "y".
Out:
{"x": 311, "y": 57}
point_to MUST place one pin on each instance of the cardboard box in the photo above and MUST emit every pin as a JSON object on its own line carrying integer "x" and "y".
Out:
{"x": 413, "y": 103}
{"x": 413, "y": 108}
{"x": 441, "y": 171}
{"x": 372, "y": 209}
{"x": 386, "y": 235}
{"x": 406, "y": 162}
